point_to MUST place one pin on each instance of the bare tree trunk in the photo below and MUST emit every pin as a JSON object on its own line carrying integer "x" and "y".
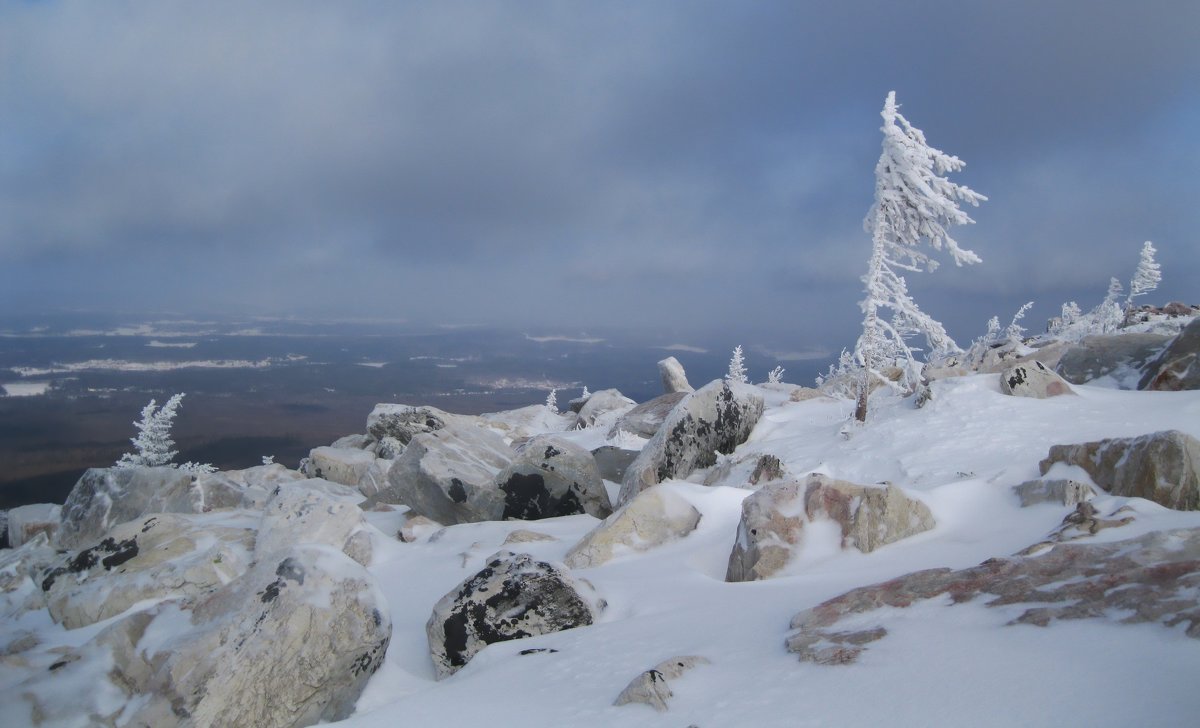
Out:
{"x": 864, "y": 389}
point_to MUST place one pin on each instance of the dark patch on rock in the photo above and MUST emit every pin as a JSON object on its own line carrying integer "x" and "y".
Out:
{"x": 149, "y": 524}
{"x": 458, "y": 493}
{"x": 551, "y": 452}
{"x": 290, "y": 569}
{"x": 58, "y": 665}
{"x": 271, "y": 593}
{"x": 537, "y": 651}
{"x": 526, "y": 497}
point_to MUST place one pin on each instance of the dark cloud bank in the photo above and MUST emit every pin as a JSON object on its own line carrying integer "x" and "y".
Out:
{"x": 687, "y": 166}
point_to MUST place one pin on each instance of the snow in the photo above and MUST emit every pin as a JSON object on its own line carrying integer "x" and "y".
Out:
{"x": 25, "y": 389}
{"x": 939, "y": 664}
{"x": 156, "y": 344}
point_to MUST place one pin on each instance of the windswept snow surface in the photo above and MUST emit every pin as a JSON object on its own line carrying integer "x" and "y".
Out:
{"x": 940, "y": 665}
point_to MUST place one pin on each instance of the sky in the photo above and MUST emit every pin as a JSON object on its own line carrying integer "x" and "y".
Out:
{"x": 680, "y": 167}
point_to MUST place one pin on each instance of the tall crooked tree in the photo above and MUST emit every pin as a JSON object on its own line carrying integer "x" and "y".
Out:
{"x": 914, "y": 204}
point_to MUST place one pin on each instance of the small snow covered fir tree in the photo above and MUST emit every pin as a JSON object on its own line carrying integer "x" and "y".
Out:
{"x": 914, "y": 203}
{"x": 1145, "y": 278}
{"x": 737, "y": 366}
{"x": 775, "y": 376}
{"x": 585, "y": 393}
{"x": 552, "y": 400}
{"x": 153, "y": 445}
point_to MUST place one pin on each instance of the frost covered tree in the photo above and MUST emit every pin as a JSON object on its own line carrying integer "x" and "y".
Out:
{"x": 914, "y": 203}
{"x": 775, "y": 376}
{"x": 153, "y": 445}
{"x": 1109, "y": 315}
{"x": 1145, "y": 278}
{"x": 552, "y": 400}
{"x": 737, "y": 366}
{"x": 585, "y": 394}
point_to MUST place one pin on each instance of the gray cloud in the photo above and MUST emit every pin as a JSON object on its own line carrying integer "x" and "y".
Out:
{"x": 680, "y": 165}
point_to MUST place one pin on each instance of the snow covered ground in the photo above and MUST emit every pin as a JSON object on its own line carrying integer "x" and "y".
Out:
{"x": 939, "y": 665}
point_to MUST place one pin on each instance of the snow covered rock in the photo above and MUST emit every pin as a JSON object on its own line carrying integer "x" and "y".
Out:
{"x": 1150, "y": 579}
{"x": 1163, "y": 466}
{"x": 403, "y": 422}
{"x": 747, "y": 471}
{"x": 653, "y": 518}
{"x": 674, "y": 378}
{"x": 448, "y": 475}
{"x": 1096, "y": 356}
{"x": 552, "y": 477}
{"x": 20, "y": 569}
{"x": 652, "y": 687}
{"x": 163, "y": 555}
{"x": 526, "y": 422}
{"x": 25, "y": 522}
{"x": 1033, "y": 379}
{"x": 613, "y": 461}
{"x": 607, "y": 403}
{"x": 304, "y": 513}
{"x": 514, "y": 596}
{"x": 104, "y": 497}
{"x": 1178, "y": 366}
{"x": 775, "y": 520}
{"x": 353, "y": 442}
{"x": 356, "y": 468}
{"x": 1061, "y": 491}
{"x": 645, "y": 419}
{"x": 714, "y": 419}
{"x": 289, "y": 643}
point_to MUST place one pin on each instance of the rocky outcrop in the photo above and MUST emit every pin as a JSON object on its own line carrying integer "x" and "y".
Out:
{"x": 448, "y": 475}
{"x": 521, "y": 424}
{"x": 652, "y": 687}
{"x": 714, "y": 419}
{"x": 1097, "y": 356}
{"x": 1178, "y": 366}
{"x": 25, "y": 522}
{"x": 651, "y": 519}
{"x": 104, "y": 497}
{"x": 155, "y": 557}
{"x": 773, "y": 524}
{"x": 1060, "y": 491}
{"x": 674, "y": 378}
{"x": 290, "y": 643}
{"x": 645, "y": 419}
{"x": 1151, "y": 579}
{"x": 404, "y": 422}
{"x": 605, "y": 405}
{"x": 552, "y": 477}
{"x": 1163, "y": 466}
{"x": 20, "y": 571}
{"x": 356, "y": 468}
{"x": 747, "y": 471}
{"x": 1034, "y": 380}
{"x": 514, "y": 596}
{"x": 305, "y": 513}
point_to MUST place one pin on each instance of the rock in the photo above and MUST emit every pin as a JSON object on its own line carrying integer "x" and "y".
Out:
{"x": 1033, "y": 380}
{"x": 304, "y": 513}
{"x": 353, "y": 442}
{"x": 1178, "y": 366}
{"x": 552, "y": 477}
{"x": 416, "y": 528}
{"x": 1085, "y": 521}
{"x": 1178, "y": 308}
{"x": 207, "y": 492}
{"x": 577, "y": 404}
{"x": 357, "y": 468}
{"x": 803, "y": 394}
{"x": 651, "y": 686}
{"x": 155, "y": 557}
{"x": 645, "y": 419}
{"x": 714, "y": 419}
{"x": 521, "y": 424}
{"x": 674, "y": 379}
{"x": 1150, "y": 579}
{"x": 653, "y": 518}
{"x": 1060, "y": 491}
{"x": 607, "y": 403}
{"x": 448, "y": 475}
{"x": 1097, "y": 356}
{"x": 613, "y": 461}
{"x": 20, "y": 567}
{"x": 772, "y": 528}
{"x": 747, "y": 471}
{"x": 290, "y": 643}
{"x": 403, "y": 422}
{"x": 514, "y": 596}
{"x": 522, "y": 535}
{"x": 1163, "y": 466}
{"x": 104, "y": 497}
{"x": 25, "y": 522}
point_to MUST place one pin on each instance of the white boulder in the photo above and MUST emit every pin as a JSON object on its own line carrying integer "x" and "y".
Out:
{"x": 653, "y": 518}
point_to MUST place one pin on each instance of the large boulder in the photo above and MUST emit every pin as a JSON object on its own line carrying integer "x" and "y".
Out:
{"x": 653, "y": 518}
{"x": 357, "y": 468}
{"x": 775, "y": 519}
{"x": 305, "y": 513}
{"x": 104, "y": 497}
{"x": 1033, "y": 379}
{"x": 714, "y": 419}
{"x": 1178, "y": 366}
{"x": 290, "y": 643}
{"x": 156, "y": 557}
{"x": 1163, "y": 466}
{"x": 449, "y": 475}
{"x": 514, "y": 596}
{"x": 403, "y": 422}
{"x": 604, "y": 406}
{"x": 1059, "y": 491}
{"x": 521, "y": 424}
{"x": 613, "y": 461}
{"x": 25, "y": 522}
{"x": 1097, "y": 356}
{"x": 747, "y": 471}
{"x": 552, "y": 477}
{"x": 674, "y": 378}
{"x": 645, "y": 419}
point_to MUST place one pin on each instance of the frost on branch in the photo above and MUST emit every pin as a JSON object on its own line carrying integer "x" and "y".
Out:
{"x": 1146, "y": 277}
{"x": 552, "y": 400}
{"x": 775, "y": 376}
{"x": 737, "y": 366}
{"x": 914, "y": 203}
{"x": 153, "y": 445}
